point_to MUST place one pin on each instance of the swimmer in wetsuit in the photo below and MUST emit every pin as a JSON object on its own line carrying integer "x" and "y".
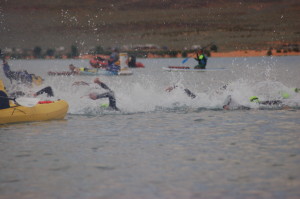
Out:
{"x": 110, "y": 94}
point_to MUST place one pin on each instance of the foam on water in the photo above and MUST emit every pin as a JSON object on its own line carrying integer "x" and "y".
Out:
{"x": 148, "y": 95}
{"x": 144, "y": 91}
{"x": 161, "y": 145}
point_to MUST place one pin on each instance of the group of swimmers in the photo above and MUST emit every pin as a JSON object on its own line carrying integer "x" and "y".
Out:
{"x": 30, "y": 80}
{"x": 27, "y": 79}
{"x": 231, "y": 104}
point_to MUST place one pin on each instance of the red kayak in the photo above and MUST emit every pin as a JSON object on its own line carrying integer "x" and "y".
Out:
{"x": 138, "y": 65}
{"x": 179, "y": 67}
{"x": 98, "y": 62}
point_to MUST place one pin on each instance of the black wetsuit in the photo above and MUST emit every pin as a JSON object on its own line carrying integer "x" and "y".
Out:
{"x": 48, "y": 90}
{"x": 4, "y": 100}
{"x": 132, "y": 62}
{"x": 110, "y": 95}
{"x": 230, "y": 104}
{"x": 271, "y": 102}
{"x": 188, "y": 92}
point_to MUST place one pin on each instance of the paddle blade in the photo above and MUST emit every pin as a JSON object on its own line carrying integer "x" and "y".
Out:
{"x": 185, "y": 60}
{"x": 26, "y": 101}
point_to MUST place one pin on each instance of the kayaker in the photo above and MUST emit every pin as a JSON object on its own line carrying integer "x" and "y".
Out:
{"x": 21, "y": 76}
{"x": 113, "y": 61}
{"x": 113, "y": 68}
{"x": 47, "y": 90}
{"x": 4, "y": 101}
{"x": 94, "y": 96}
{"x": 202, "y": 60}
{"x": 114, "y": 57}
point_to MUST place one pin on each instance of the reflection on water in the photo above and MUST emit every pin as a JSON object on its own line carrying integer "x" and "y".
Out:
{"x": 161, "y": 145}
{"x": 206, "y": 154}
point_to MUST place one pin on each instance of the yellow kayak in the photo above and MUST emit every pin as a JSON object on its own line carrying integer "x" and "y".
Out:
{"x": 40, "y": 112}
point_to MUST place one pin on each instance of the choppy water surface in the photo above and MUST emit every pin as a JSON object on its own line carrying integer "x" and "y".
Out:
{"x": 161, "y": 145}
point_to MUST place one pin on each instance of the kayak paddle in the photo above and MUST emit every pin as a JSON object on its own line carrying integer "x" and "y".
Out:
{"x": 24, "y": 101}
{"x": 185, "y": 60}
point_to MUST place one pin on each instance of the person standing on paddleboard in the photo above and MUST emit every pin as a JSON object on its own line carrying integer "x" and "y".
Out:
{"x": 202, "y": 60}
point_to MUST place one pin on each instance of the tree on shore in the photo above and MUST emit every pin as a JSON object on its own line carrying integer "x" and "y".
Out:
{"x": 50, "y": 52}
{"x": 37, "y": 52}
{"x": 74, "y": 51}
{"x": 99, "y": 50}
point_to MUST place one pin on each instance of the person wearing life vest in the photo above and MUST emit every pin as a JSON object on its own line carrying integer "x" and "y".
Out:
{"x": 76, "y": 70}
{"x": 202, "y": 60}
{"x": 114, "y": 57}
{"x": 113, "y": 61}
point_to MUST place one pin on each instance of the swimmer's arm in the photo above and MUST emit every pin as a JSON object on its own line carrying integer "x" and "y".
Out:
{"x": 79, "y": 83}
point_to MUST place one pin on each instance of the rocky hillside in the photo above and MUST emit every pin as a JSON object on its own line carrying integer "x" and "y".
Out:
{"x": 176, "y": 24}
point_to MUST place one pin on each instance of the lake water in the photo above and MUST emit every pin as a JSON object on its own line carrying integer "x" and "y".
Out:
{"x": 160, "y": 145}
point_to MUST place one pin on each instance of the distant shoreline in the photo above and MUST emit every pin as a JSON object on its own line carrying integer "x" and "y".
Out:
{"x": 253, "y": 53}
{"x": 238, "y": 53}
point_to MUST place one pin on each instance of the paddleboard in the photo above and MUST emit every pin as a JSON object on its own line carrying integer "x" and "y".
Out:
{"x": 190, "y": 69}
{"x": 98, "y": 72}
{"x": 92, "y": 73}
{"x": 107, "y": 72}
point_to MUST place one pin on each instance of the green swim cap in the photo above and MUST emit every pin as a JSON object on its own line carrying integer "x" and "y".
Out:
{"x": 297, "y": 90}
{"x": 253, "y": 99}
{"x": 104, "y": 105}
{"x": 285, "y": 95}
